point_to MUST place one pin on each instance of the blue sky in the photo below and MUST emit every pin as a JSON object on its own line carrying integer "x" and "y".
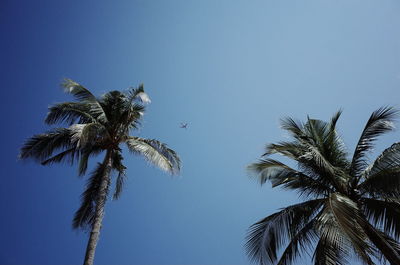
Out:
{"x": 231, "y": 69}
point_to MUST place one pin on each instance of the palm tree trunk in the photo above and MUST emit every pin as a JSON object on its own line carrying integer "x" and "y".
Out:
{"x": 99, "y": 212}
{"x": 387, "y": 250}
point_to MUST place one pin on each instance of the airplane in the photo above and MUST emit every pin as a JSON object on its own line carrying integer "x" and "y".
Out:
{"x": 183, "y": 125}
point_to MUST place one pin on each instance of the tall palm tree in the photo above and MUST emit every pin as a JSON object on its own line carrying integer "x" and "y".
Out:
{"x": 97, "y": 125}
{"x": 350, "y": 207}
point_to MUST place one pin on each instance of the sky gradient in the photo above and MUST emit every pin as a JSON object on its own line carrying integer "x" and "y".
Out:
{"x": 229, "y": 68}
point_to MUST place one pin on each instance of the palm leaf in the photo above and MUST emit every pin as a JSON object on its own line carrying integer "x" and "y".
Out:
{"x": 383, "y": 184}
{"x": 329, "y": 253}
{"x": 281, "y": 174}
{"x": 384, "y": 214}
{"x": 83, "y": 95}
{"x": 120, "y": 168}
{"x": 301, "y": 241}
{"x": 84, "y": 216}
{"x": 265, "y": 237}
{"x": 380, "y": 122}
{"x": 156, "y": 153}
{"x": 70, "y": 155}
{"x": 70, "y": 113}
{"x": 42, "y": 146}
{"x": 347, "y": 215}
{"x": 390, "y": 158}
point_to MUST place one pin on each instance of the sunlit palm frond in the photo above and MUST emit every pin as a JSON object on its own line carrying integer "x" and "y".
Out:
{"x": 156, "y": 153}
{"x": 88, "y": 134}
{"x": 83, "y": 95}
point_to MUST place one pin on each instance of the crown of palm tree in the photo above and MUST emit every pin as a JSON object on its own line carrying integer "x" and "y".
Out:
{"x": 96, "y": 125}
{"x": 351, "y": 206}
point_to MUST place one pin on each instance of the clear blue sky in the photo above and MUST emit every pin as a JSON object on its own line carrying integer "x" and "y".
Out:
{"x": 229, "y": 68}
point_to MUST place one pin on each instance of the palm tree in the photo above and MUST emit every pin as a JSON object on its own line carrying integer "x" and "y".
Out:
{"x": 350, "y": 207}
{"x": 97, "y": 125}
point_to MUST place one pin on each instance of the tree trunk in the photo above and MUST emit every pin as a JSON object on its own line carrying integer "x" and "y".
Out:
{"x": 387, "y": 250}
{"x": 99, "y": 212}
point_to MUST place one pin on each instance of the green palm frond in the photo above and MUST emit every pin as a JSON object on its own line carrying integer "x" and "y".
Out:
{"x": 267, "y": 236}
{"x": 156, "y": 153}
{"x": 83, "y": 95}
{"x": 380, "y": 122}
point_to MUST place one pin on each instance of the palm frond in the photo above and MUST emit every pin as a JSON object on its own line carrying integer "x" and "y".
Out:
{"x": 83, "y": 162}
{"x": 394, "y": 244}
{"x": 281, "y": 174}
{"x": 334, "y": 120}
{"x": 380, "y": 122}
{"x": 265, "y": 237}
{"x": 84, "y": 216}
{"x": 300, "y": 242}
{"x": 70, "y": 113}
{"x": 83, "y": 95}
{"x": 41, "y": 146}
{"x": 291, "y": 150}
{"x": 135, "y": 92}
{"x": 347, "y": 215}
{"x": 383, "y": 184}
{"x": 294, "y": 127}
{"x": 389, "y": 159}
{"x": 70, "y": 155}
{"x": 330, "y": 250}
{"x": 120, "y": 168}
{"x": 88, "y": 134}
{"x": 156, "y": 153}
{"x": 384, "y": 214}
